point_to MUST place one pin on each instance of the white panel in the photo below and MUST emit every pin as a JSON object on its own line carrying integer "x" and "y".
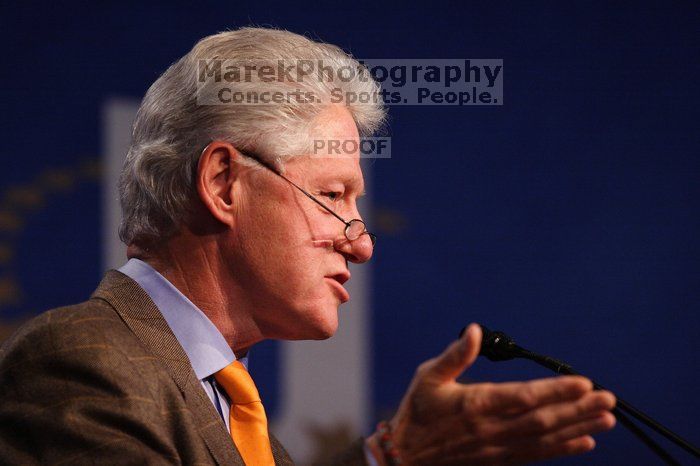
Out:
{"x": 117, "y": 117}
{"x": 327, "y": 384}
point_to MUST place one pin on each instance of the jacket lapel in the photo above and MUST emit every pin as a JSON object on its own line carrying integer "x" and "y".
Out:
{"x": 142, "y": 316}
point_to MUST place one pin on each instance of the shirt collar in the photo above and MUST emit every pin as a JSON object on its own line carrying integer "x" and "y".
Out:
{"x": 204, "y": 345}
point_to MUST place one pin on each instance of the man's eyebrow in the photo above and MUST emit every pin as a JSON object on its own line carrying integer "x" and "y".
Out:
{"x": 357, "y": 186}
{"x": 349, "y": 182}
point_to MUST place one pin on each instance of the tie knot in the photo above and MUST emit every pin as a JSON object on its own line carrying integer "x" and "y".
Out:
{"x": 237, "y": 383}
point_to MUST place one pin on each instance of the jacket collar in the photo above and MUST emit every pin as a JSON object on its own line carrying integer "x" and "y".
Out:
{"x": 142, "y": 316}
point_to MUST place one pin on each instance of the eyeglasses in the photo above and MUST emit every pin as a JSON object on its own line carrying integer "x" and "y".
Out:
{"x": 353, "y": 228}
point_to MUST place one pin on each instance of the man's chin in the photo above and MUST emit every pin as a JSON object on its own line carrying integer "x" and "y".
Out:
{"x": 315, "y": 322}
{"x": 321, "y": 329}
{"x": 326, "y": 333}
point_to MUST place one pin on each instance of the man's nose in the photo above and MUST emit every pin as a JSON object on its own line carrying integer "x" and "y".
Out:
{"x": 357, "y": 251}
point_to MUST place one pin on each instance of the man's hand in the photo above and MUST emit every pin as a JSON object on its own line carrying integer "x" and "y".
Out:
{"x": 443, "y": 422}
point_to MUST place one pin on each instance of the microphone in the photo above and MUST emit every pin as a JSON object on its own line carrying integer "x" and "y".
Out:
{"x": 497, "y": 346}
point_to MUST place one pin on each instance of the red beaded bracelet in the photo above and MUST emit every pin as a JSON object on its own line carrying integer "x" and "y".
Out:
{"x": 386, "y": 443}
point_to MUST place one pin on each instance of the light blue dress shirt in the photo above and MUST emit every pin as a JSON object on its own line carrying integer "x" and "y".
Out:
{"x": 204, "y": 345}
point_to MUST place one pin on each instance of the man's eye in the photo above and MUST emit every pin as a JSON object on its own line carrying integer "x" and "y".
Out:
{"x": 332, "y": 195}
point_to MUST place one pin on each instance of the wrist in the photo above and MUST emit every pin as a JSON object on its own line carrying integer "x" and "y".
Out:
{"x": 383, "y": 446}
{"x": 372, "y": 445}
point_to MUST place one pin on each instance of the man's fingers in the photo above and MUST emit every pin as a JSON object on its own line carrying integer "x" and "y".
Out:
{"x": 512, "y": 454}
{"x": 539, "y": 451}
{"x": 553, "y": 417}
{"x": 601, "y": 423}
{"x": 456, "y": 358}
{"x": 517, "y": 397}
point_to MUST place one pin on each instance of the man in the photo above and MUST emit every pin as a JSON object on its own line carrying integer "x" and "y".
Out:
{"x": 237, "y": 232}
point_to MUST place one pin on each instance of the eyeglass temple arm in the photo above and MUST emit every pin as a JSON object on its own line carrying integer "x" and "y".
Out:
{"x": 314, "y": 199}
{"x": 371, "y": 235}
{"x": 276, "y": 172}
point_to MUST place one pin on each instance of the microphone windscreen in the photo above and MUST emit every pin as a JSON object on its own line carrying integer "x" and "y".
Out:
{"x": 496, "y": 346}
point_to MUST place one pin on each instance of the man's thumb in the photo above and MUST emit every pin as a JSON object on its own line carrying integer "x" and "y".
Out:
{"x": 458, "y": 356}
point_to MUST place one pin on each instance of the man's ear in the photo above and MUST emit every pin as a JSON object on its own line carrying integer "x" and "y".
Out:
{"x": 216, "y": 173}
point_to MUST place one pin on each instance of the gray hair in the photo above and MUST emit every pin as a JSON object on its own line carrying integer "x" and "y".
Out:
{"x": 156, "y": 185}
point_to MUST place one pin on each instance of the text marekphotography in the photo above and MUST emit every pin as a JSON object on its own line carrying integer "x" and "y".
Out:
{"x": 463, "y": 82}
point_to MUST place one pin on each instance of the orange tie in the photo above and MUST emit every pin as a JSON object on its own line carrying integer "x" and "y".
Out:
{"x": 247, "y": 415}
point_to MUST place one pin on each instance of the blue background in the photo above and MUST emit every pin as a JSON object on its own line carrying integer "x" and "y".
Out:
{"x": 567, "y": 217}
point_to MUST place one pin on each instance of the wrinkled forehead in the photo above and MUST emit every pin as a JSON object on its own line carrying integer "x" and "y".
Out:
{"x": 330, "y": 171}
{"x": 334, "y": 149}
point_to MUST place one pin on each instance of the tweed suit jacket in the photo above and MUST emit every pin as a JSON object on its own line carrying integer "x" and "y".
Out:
{"x": 107, "y": 382}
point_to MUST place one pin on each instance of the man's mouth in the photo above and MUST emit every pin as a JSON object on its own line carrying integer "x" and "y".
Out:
{"x": 337, "y": 282}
